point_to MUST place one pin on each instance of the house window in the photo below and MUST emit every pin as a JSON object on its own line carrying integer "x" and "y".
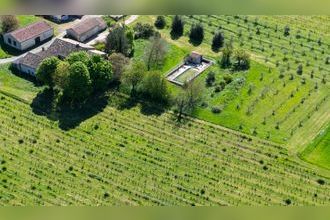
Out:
{"x": 9, "y": 40}
{"x": 14, "y": 43}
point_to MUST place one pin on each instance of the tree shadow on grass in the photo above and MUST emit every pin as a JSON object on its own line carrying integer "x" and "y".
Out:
{"x": 146, "y": 107}
{"x": 195, "y": 43}
{"x": 67, "y": 116}
{"x": 25, "y": 76}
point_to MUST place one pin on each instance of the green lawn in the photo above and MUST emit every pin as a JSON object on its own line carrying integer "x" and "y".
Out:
{"x": 188, "y": 74}
{"x": 318, "y": 152}
{"x": 16, "y": 85}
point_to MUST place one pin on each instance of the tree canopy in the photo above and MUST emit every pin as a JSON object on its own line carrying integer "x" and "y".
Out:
{"x": 8, "y": 23}
{"x": 120, "y": 40}
{"x": 46, "y": 71}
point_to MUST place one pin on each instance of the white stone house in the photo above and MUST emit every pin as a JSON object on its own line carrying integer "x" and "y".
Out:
{"x": 29, "y": 36}
{"x": 86, "y": 29}
{"x": 60, "y": 48}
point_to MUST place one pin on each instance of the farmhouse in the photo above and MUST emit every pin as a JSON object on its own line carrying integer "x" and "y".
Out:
{"x": 86, "y": 29}
{"x": 60, "y": 48}
{"x": 29, "y": 36}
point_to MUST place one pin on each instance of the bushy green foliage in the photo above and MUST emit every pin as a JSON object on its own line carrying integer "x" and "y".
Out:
{"x": 160, "y": 22}
{"x": 79, "y": 84}
{"x": 196, "y": 34}
{"x": 81, "y": 56}
{"x": 177, "y": 26}
{"x": 227, "y": 51}
{"x": 134, "y": 75}
{"x": 144, "y": 31}
{"x": 217, "y": 41}
{"x": 120, "y": 40}
{"x": 118, "y": 62}
{"x": 100, "y": 71}
{"x": 241, "y": 60}
{"x": 155, "y": 87}
{"x": 46, "y": 70}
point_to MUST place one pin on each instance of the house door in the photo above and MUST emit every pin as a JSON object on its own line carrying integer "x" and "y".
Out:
{"x": 37, "y": 40}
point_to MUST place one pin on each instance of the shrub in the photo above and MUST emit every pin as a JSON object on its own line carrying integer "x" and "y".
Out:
{"x": 286, "y": 30}
{"x": 228, "y": 78}
{"x": 160, "y": 22}
{"x": 300, "y": 69}
{"x": 287, "y": 201}
{"x": 321, "y": 181}
{"x": 241, "y": 60}
{"x": 217, "y": 41}
{"x": 216, "y": 110}
{"x": 210, "y": 78}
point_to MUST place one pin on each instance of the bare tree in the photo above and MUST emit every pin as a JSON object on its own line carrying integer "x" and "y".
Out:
{"x": 155, "y": 52}
{"x": 8, "y": 23}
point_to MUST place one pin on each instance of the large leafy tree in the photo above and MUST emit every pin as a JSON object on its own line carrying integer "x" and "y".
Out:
{"x": 134, "y": 75}
{"x": 79, "y": 84}
{"x": 155, "y": 87}
{"x": 81, "y": 56}
{"x": 8, "y": 23}
{"x": 100, "y": 71}
{"x": 118, "y": 62}
{"x": 241, "y": 60}
{"x": 120, "y": 40}
{"x": 46, "y": 70}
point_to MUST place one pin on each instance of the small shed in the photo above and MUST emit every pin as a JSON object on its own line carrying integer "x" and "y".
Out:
{"x": 86, "y": 29}
{"x": 195, "y": 58}
{"x": 29, "y": 36}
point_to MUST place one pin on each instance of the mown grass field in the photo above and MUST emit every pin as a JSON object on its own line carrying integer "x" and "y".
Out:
{"x": 318, "y": 152}
{"x": 282, "y": 106}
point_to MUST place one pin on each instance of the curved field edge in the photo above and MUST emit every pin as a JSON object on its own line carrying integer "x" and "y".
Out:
{"x": 122, "y": 156}
{"x": 318, "y": 152}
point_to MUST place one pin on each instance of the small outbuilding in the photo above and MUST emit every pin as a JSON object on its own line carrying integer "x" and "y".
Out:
{"x": 29, "y": 36}
{"x": 195, "y": 58}
{"x": 86, "y": 29}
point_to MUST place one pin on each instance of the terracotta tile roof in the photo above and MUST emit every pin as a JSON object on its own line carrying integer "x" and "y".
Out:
{"x": 195, "y": 54}
{"x": 30, "y": 31}
{"x": 88, "y": 24}
{"x": 31, "y": 60}
{"x": 59, "y": 47}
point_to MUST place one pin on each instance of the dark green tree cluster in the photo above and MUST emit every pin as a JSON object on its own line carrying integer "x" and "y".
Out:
{"x": 74, "y": 79}
{"x": 160, "y": 22}
{"x": 120, "y": 40}
{"x": 144, "y": 31}
{"x": 143, "y": 83}
{"x": 177, "y": 27}
{"x": 217, "y": 41}
{"x": 235, "y": 59}
{"x": 196, "y": 34}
